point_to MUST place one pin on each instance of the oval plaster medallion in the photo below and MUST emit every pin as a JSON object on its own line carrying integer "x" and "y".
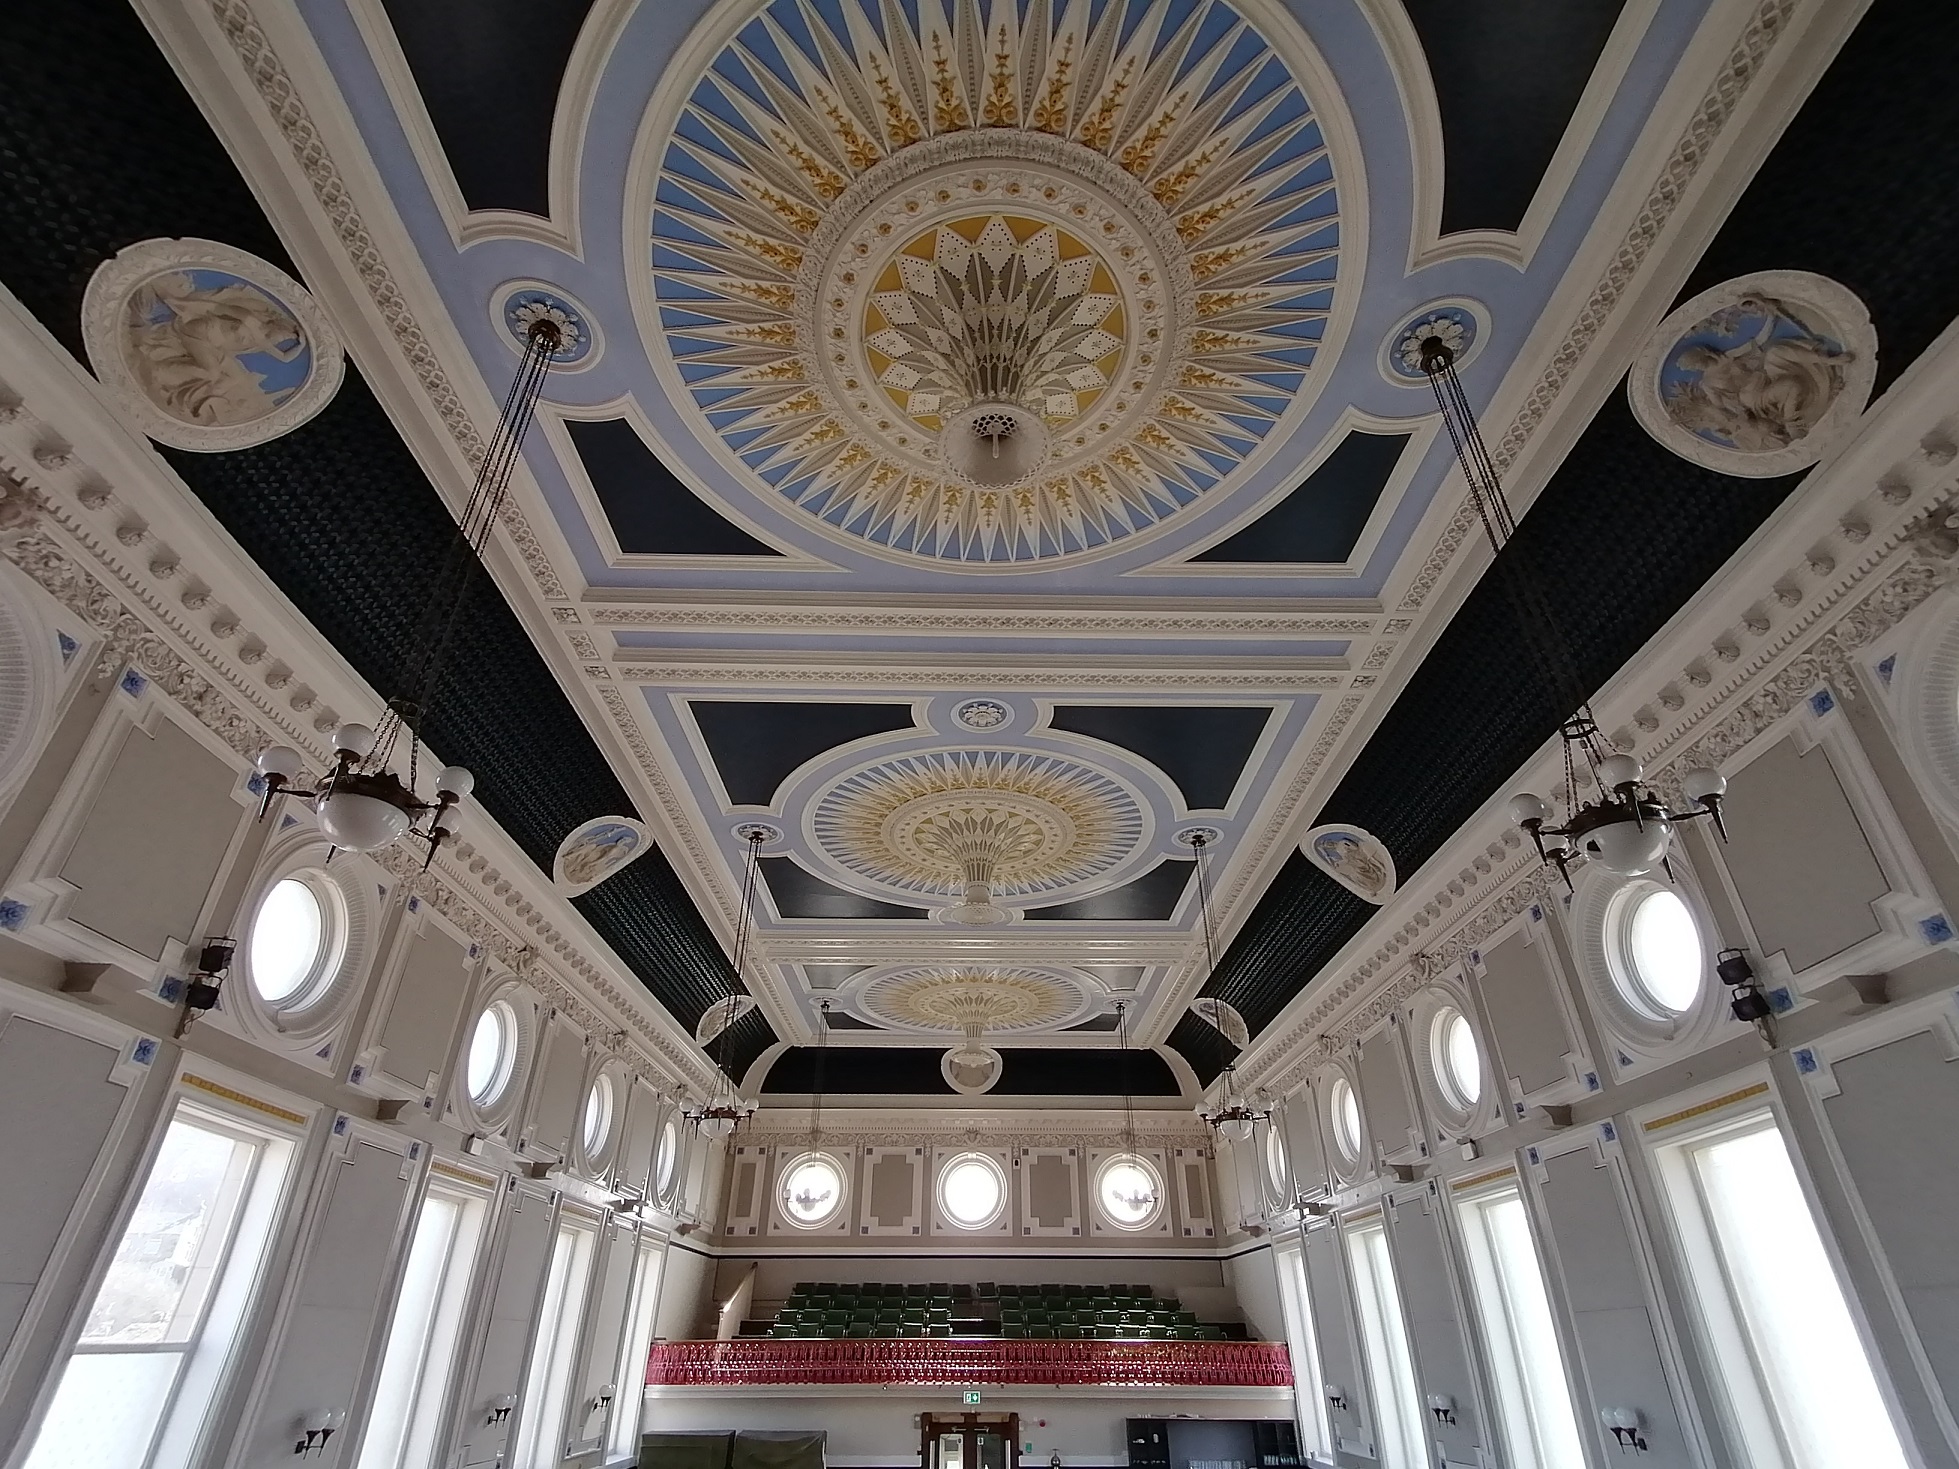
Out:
{"x": 1460, "y": 322}
{"x": 1354, "y": 858}
{"x": 1110, "y": 224}
{"x": 596, "y": 850}
{"x": 207, "y": 347}
{"x": 1758, "y": 376}
{"x": 928, "y": 998}
{"x": 515, "y": 305}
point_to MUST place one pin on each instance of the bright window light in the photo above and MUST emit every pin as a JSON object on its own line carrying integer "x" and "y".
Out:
{"x": 598, "y": 1115}
{"x": 1457, "y": 1062}
{"x": 547, "y": 1383}
{"x": 289, "y": 939}
{"x": 666, "y": 1157}
{"x": 492, "y": 1052}
{"x": 156, "y": 1341}
{"x": 972, "y": 1191}
{"x": 1799, "y": 1382}
{"x": 1540, "y": 1428}
{"x": 1275, "y": 1157}
{"x": 1345, "y": 1108}
{"x": 1399, "y": 1440}
{"x": 1129, "y": 1192}
{"x": 812, "y": 1190}
{"x": 1662, "y": 953}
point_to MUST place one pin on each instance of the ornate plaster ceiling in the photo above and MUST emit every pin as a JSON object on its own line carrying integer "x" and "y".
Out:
{"x": 938, "y": 999}
{"x": 1118, "y": 222}
{"x": 1196, "y": 608}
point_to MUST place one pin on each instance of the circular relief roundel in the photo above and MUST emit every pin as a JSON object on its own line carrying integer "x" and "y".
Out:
{"x": 993, "y": 286}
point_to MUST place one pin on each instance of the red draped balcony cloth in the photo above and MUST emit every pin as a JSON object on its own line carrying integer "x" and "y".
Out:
{"x": 930, "y": 1362}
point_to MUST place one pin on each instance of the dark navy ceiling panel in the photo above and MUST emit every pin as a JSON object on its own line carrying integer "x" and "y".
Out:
{"x": 1153, "y": 897}
{"x": 1322, "y": 518}
{"x": 1508, "y": 75}
{"x": 1202, "y": 1045}
{"x": 756, "y": 745}
{"x": 489, "y": 73}
{"x": 801, "y": 894}
{"x": 1625, "y": 531}
{"x": 1025, "y": 1072}
{"x": 1203, "y": 749}
{"x": 337, "y": 513}
{"x": 651, "y": 512}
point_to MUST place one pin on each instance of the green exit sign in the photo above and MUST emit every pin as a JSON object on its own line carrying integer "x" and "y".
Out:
{"x": 972, "y": 1399}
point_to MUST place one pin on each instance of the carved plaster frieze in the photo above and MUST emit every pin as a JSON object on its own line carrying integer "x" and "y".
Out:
{"x": 275, "y": 87}
{"x": 1006, "y": 620}
{"x": 1263, "y": 680}
{"x": 1765, "y": 27}
{"x": 32, "y": 531}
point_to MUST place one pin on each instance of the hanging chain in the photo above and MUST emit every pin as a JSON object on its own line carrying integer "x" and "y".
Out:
{"x": 447, "y": 592}
{"x": 822, "y": 1051}
{"x": 1128, "y": 1092}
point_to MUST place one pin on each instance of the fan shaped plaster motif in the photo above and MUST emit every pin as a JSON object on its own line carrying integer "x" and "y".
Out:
{"x": 913, "y": 827}
{"x": 871, "y": 218}
{"x": 974, "y": 998}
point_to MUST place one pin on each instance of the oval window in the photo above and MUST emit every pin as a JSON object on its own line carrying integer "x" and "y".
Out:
{"x": 812, "y": 1190}
{"x": 972, "y": 1191}
{"x": 1275, "y": 1157}
{"x": 492, "y": 1053}
{"x": 1345, "y": 1109}
{"x": 1129, "y": 1192}
{"x": 1454, "y": 1055}
{"x": 665, "y": 1159}
{"x": 291, "y": 944}
{"x": 1662, "y": 963}
{"x": 598, "y": 1115}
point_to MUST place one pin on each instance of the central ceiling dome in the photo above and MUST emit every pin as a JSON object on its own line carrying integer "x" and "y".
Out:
{"x": 992, "y": 285}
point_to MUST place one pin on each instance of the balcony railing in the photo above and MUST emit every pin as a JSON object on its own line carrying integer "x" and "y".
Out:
{"x": 969, "y": 1361}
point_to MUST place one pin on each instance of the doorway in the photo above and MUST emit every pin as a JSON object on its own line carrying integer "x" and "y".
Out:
{"x": 970, "y": 1441}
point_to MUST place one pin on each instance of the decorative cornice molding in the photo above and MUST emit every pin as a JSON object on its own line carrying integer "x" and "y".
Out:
{"x": 1261, "y": 680}
{"x": 33, "y": 527}
{"x": 1758, "y": 37}
{"x": 281, "y": 97}
{"x": 1028, "y": 622}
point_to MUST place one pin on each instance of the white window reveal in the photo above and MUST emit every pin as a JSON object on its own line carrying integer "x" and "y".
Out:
{"x": 547, "y": 1383}
{"x": 1800, "y": 1387}
{"x": 1513, "y": 1314}
{"x": 1400, "y": 1440}
{"x": 973, "y": 1191}
{"x": 158, "y": 1336}
{"x": 492, "y": 1053}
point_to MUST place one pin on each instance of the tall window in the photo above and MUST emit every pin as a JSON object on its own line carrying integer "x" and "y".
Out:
{"x": 158, "y": 1335}
{"x": 1800, "y": 1387}
{"x": 406, "y": 1417}
{"x": 1400, "y": 1441}
{"x": 547, "y": 1385}
{"x": 1540, "y": 1428}
{"x": 631, "y": 1376}
{"x": 1290, "y": 1262}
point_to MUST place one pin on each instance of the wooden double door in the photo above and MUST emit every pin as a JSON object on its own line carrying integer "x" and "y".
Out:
{"x": 970, "y": 1441}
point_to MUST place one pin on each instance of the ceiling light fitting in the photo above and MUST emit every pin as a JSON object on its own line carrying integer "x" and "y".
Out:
{"x": 1232, "y": 1119}
{"x": 1627, "y": 828}
{"x": 725, "y": 1111}
{"x": 361, "y": 803}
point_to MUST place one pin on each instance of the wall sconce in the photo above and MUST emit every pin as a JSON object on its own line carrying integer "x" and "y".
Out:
{"x": 1443, "y": 1407}
{"x": 1336, "y": 1397}
{"x": 206, "y": 981}
{"x": 500, "y": 1407}
{"x": 318, "y": 1427}
{"x": 603, "y": 1400}
{"x": 1624, "y": 1423}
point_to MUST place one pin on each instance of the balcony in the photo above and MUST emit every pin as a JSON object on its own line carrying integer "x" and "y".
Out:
{"x": 968, "y": 1362}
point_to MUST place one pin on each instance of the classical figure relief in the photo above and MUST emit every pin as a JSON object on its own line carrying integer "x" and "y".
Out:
{"x": 1754, "y": 376}
{"x": 1758, "y": 376}
{"x": 598, "y": 849}
{"x": 208, "y": 348}
{"x": 1354, "y": 858}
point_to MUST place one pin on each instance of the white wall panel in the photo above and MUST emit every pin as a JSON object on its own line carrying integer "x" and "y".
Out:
{"x": 417, "y": 1023}
{"x": 523, "y": 1249}
{"x": 605, "y": 1324}
{"x": 330, "y": 1325}
{"x": 555, "y": 1101}
{"x": 892, "y": 1194}
{"x": 1440, "y": 1335}
{"x": 1338, "y": 1339}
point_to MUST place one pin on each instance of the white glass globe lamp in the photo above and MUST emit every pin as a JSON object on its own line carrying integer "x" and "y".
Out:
{"x": 1616, "y": 772}
{"x": 1526, "y": 808}
{"x": 354, "y": 739}
{"x": 360, "y": 823}
{"x": 1236, "y": 1129}
{"x": 1701, "y": 785}
{"x": 1627, "y": 847}
{"x": 454, "y": 781}
{"x": 278, "y": 762}
{"x": 716, "y": 1126}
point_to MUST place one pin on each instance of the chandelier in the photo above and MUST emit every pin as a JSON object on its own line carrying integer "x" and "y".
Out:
{"x": 1626, "y": 827}
{"x": 1136, "y": 1187}
{"x": 1235, "y": 1117}
{"x": 724, "y": 1111}
{"x": 362, "y": 804}
{"x": 1232, "y": 1119}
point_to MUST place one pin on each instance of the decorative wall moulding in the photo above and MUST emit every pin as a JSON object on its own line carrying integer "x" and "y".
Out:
{"x": 208, "y": 348}
{"x": 596, "y": 850}
{"x": 1759, "y": 376}
{"x": 1354, "y": 858}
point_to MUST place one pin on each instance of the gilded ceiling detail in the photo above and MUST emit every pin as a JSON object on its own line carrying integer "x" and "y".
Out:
{"x": 1106, "y": 234}
{"x": 918, "y": 826}
{"x": 993, "y": 998}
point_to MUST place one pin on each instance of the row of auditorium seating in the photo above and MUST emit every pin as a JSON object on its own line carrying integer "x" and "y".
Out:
{"x": 823, "y": 1309}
